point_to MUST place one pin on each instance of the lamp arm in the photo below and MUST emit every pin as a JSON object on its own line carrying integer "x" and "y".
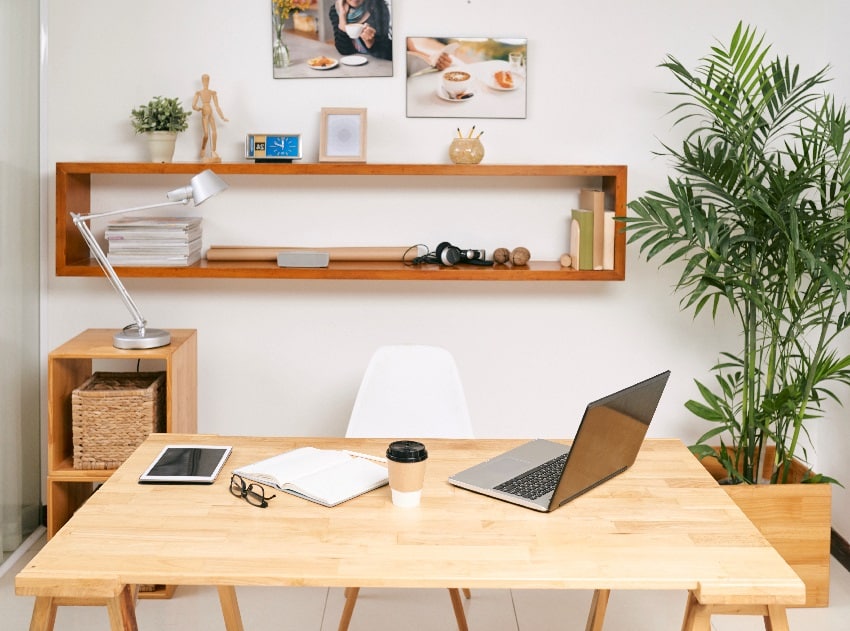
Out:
{"x": 121, "y": 211}
{"x": 80, "y": 221}
{"x": 107, "y": 268}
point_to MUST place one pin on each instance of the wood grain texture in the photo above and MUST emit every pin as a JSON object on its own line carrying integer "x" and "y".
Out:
{"x": 73, "y": 193}
{"x": 68, "y": 366}
{"x": 795, "y": 518}
{"x": 664, "y": 524}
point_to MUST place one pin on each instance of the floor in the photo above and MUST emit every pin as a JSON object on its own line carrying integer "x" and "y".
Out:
{"x": 304, "y": 609}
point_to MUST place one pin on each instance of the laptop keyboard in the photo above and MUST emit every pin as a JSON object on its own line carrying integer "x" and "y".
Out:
{"x": 538, "y": 481}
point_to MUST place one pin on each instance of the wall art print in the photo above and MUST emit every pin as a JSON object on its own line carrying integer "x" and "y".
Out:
{"x": 466, "y": 77}
{"x": 331, "y": 38}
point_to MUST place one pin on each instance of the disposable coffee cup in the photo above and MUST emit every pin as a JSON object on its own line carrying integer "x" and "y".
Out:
{"x": 406, "y": 464}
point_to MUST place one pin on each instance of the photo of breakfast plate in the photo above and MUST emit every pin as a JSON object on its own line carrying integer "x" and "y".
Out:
{"x": 353, "y": 60}
{"x": 322, "y": 63}
{"x": 504, "y": 80}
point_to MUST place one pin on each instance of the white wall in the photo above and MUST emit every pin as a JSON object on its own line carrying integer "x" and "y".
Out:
{"x": 285, "y": 357}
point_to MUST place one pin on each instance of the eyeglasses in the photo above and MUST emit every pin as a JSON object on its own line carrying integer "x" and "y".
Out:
{"x": 254, "y": 494}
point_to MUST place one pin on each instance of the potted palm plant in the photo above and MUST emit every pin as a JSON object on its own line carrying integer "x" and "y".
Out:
{"x": 757, "y": 215}
{"x": 160, "y": 120}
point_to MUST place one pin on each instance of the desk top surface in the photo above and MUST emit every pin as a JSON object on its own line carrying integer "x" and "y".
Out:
{"x": 663, "y": 524}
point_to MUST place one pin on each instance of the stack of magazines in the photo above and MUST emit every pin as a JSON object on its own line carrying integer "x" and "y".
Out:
{"x": 165, "y": 241}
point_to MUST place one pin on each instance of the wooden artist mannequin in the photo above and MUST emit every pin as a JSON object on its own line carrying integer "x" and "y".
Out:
{"x": 203, "y": 102}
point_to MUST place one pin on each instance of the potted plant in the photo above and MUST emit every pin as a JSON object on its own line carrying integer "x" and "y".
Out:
{"x": 757, "y": 216}
{"x": 160, "y": 120}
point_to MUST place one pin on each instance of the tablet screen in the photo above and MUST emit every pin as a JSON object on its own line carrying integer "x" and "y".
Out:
{"x": 187, "y": 464}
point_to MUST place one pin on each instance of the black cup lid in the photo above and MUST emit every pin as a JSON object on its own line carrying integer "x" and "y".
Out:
{"x": 406, "y": 451}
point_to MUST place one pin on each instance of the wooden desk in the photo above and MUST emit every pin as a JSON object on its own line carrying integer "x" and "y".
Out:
{"x": 664, "y": 524}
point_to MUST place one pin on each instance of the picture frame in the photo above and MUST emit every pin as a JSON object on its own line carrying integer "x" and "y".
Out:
{"x": 342, "y": 134}
{"x": 489, "y": 77}
{"x": 308, "y": 43}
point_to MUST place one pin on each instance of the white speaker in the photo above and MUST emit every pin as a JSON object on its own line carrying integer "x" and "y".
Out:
{"x": 303, "y": 259}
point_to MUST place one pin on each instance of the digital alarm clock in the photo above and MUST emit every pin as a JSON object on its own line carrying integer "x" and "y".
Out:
{"x": 273, "y": 147}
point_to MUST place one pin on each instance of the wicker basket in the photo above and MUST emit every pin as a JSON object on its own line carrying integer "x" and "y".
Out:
{"x": 113, "y": 413}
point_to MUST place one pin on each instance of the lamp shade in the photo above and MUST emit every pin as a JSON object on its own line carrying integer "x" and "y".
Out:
{"x": 201, "y": 187}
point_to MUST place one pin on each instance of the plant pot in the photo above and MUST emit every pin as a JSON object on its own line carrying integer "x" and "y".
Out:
{"x": 795, "y": 518}
{"x": 161, "y": 145}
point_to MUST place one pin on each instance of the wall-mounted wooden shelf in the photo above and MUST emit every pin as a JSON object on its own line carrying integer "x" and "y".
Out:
{"x": 73, "y": 192}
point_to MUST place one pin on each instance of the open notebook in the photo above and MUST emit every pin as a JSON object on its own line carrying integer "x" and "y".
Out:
{"x": 325, "y": 476}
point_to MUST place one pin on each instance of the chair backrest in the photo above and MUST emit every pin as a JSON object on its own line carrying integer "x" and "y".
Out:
{"x": 410, "y": 391}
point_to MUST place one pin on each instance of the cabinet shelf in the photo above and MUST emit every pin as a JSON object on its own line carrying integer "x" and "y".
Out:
{"x": 68, "y": 367}
{"x": 73, "y": 192}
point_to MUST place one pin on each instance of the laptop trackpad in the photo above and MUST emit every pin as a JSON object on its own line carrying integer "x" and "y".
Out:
{"x": 502, "y": 469}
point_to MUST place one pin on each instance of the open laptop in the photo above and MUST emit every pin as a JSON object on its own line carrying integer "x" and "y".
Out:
{"x": 544, "y": 475}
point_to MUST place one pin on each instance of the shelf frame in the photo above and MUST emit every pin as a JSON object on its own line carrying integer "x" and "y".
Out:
{"x": 73, "y": 192}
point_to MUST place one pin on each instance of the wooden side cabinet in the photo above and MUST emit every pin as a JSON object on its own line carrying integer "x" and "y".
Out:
{"x": 68, "y": 367}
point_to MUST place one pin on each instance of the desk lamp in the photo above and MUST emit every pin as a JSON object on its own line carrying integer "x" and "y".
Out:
{"x": 137, "y": 335}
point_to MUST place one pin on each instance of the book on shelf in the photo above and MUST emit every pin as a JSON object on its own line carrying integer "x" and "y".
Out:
{"x": 185, "y": 228}
{"x": 594, "y": 200}
{"x": 610, "y": 227}
{"x": 581, "y": 239}
{"x": 153, "y": 259}
{"x": 155, "y": 241}
{"x": 325, "y": 476}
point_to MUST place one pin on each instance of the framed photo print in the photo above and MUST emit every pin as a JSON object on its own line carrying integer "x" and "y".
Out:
{"x": 342, "y": 135}
{"x": 466, "y": 77}
{"x": 324, "y": 39}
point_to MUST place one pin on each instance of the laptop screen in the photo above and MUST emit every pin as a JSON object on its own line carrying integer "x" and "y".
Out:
{"x": 609, "y": 437}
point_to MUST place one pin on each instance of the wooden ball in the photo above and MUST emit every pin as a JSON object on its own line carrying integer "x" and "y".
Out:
{"x": 520, "y": 256}
{"x": 501, "y": 255}
{"x": 566, "y": 260}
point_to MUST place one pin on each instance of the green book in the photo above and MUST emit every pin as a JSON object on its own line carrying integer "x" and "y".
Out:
{"x": 581, "y": 239}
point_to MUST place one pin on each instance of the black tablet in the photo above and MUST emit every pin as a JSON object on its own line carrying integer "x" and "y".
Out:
{"x": 186, "y": 464}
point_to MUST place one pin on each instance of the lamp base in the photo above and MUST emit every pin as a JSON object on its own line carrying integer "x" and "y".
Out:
{"x": 131, "y": 338}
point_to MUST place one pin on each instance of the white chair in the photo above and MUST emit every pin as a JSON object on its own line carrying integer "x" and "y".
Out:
{"x": 409, "y": 391}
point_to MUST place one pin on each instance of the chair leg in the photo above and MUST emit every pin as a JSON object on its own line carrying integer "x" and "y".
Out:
{"x": 460, "y": 616}
{"x": 467, "y": 593}
{"x": 348, "y": 609}
{"x": 598, "y": 607}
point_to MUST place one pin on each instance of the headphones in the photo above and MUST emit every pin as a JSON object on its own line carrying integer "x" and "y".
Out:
{"x": 449, "y": 255}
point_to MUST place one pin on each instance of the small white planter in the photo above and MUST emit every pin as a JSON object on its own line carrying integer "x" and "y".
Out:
{"x": 161, "y": 145}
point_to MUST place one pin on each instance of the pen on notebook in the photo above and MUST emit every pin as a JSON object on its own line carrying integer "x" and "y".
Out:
{"x": 357, "y": 454}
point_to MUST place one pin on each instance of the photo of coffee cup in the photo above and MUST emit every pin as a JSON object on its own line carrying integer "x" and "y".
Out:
{"x": 354, "y": 30}
{"x": 406, "y": 468}
{"x": 456, "y": 82}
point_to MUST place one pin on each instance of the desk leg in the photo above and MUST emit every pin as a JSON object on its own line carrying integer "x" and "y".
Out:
{"x": 698, "y": 617}
{"x": 43, "y": 614}
{"x": 598, "y": 606}
{"x": 776, "y": 619}
{"x": 122, "y": 610}
{"x": 230, "y": 608}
